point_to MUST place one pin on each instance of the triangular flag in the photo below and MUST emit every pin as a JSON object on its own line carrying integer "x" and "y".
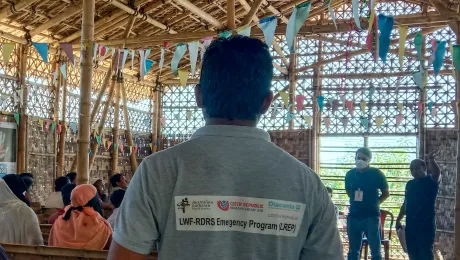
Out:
{"x": 327, "y": 122}
{"x": 16, "y": 118}
{"x": 59, "y": 129}
{"x": 53, "y": 126}
{"x": 335, "y": 105}
{"x": 130, "y": 149}
{"x": 434, "y": 110}
{"x": 418, "y": 78}
{"x": 148, "y": 65}
{"x": 42, "y": 49}
{"x": 371, "y": 92}
{"x": 363, "y": 106}
{"x": 122, "y": 148}
{"x": 399, "y": 119}
{"x": 151, "y": 146}
{"x": 163, "y": 121}
{"x": 40, "y": 123}
{"x": 183, "y": 76}
{"x": 188, "y": 115}
{"x": 104, "y": 142}
{"x": 109, "y": 144}
{"x": 47, "y": 126}
{"x": 400, "y": 107}
{"x": 332, "y": 14}
{"x": 403, "y": 30}
{"x": 206, "y": 42}
{"x": 7, "y": 50}
{"x": 63, "y": 69}
{"x": 193, "y": 53}
{"x": 342, "y": 98}
{"x": 345, "y": 121}
{"x": 430, "y": 106}
{"x": 98, "y": 139}
{"x": 274, "y": 110}
{"x": 289, "y": 117}
{"x": 178, "y": 54}
{"x": 350, "y": 106}
{"x": 115, "y": 147}
{"x": 385, "y": 26}
{"x": 299, "y": 99}
{"x": 298, "y": 17}
{"x": 177, "y": 116}
{"x": 285, "y": 97}
{"x": 379, "y": 121}
{"x": 95, "y": 52}
{"x": 365, "y": 123}
{"x": 125, "y": 57}
{"x": 133, "y": 54}
{"x": 67, "y": 47}
{"x": 320, "y": 100}
{"x": 73, "y": 126}
{"x": 439, "y": 56}
{"x": 418, "y": 44}
{"x": 356, "y": 14}
{"x": 420, "y": 108}
{"x": 371, "y": 18}
{"x": 226, "y": 34}
{"x": 308, "y": 120}
{"x": 454, "y": 71}
{"x": 244, "y": 31}
{"x": 141, "y": 63}
{"x": 135, "y": 149}
{"x": 162, "y": 58}
{"x": 268, "y": 27}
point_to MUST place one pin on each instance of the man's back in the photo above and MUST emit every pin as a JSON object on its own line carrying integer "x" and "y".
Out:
{"x": 228, "y": 193}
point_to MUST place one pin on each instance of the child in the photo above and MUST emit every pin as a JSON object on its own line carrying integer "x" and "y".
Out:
{"x": 116, "y": 198}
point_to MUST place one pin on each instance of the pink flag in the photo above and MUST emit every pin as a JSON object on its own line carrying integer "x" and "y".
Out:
{"x": 434, "y": 110}
{"x": 399, "y": 119}
{"x": 109, "y": 144}
{"x": 59, "y": 129}
{"x": 121, "y": 148}
{"x": 327, "y": 122}
{"x": 67, "y": 47}
{"x": 434, "y": 44}
{"x": 351, "y": 107}
{"x": 299, "y": 99}
{"x": 135, "y": 149}
{"x": 47, "y": 126}
{"x": 420, "y": 108}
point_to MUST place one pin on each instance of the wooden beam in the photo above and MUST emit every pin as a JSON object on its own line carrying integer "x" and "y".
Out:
{"x": 280, "y": 52}
{"x": 116, "y": 128}
{"x": 292, "y": 82}
{"x": 252, "y": 12}
{"x": 443, "y": 10}
{"x": 231, "y": 14}
{"x": 61, "y": 150}
{"x": 86, "y": 76}
{"x": 18, "y": 6}
{"x": 200, "y": 13}
{"x": 128, "y": 128}
{"x": 71, "y": 11}
{"x": 280, "y": 69}
{"x": 23, "y": 117}
{"x": 457, "y": 193}
{"x": 108, "y": 27}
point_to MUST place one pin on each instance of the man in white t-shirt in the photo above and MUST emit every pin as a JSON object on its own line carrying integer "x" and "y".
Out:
{"x": 54, "y": 200}
{"x": 228, "y": 193}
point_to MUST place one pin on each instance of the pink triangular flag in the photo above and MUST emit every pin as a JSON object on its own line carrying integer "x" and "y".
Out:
{"x": 299, "y": 99}
{"x": 420, "y": 108}
{"x": 59, "y": 129}
{"x": 327, "y": 122}
{"x": 399, "y": 119}
{"x": 351, "y": 107}
{"x": 109, "y": 144}
{"x": 434, "y": 111}
{"x": 67, "y": 47}
{"x": 163, "y": 121}
{"x": 47, "y": 126}
{"x": 135, "y": 149}
{"x": 345, "y": 121}
{"x": 121, "y": 148}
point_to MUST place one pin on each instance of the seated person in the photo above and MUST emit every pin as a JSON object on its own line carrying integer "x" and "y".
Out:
{"x": 72, "y": 177}
{"x": 103, "y": 200}
{"x": 29, "y": 181}
{"x": 54, "y": 200}
{"x": 82, "y": 226}
{"x": 116, "y": 198}
{"x": 65, "y": 192}
{"x": 18, "y": 224}
{"x": 118, "y": 181}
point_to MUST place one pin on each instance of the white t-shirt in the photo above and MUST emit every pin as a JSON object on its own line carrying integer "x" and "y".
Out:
{"x": 54, "y": 201}
{"x": 113, "y": 217}
{"x": 228, "y": 193}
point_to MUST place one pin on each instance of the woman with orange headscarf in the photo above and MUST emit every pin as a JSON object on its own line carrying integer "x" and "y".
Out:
{"x": 82, "y": 226}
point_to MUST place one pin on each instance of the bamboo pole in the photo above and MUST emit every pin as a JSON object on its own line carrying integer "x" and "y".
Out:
{"x": 155, "y": 119}
{"x": 57, "y": 91}
{"x": 116, "y": 124}
{"x": 95, "y": 145}
{"x": 252, "y": 12}
{"x": 70, "y": 11}
{"x": 12, "y": 9}
{"x": 128, "y": 129}
{"x": 86, "y": 76}
{"x": 230, "y": 14}
{"x": 422, "y": 119}
{"x": 108, "y": 27}
{"x": 200, "y": 13}
{"x": 316, "y": 127}
{"x": 61, "y": 151}
{"x": 292, "y": 81}
{"x": 23, "y": 118}
{"x": 457, "y": 193}
{"x": 101, "y": 93}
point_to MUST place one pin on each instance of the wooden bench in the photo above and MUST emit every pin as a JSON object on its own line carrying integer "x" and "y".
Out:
{"x": 26, "y": 252}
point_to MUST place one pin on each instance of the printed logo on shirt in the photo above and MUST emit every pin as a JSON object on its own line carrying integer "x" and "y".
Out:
{"x": 223, "y": 205}
{"x": 261, "y": 216}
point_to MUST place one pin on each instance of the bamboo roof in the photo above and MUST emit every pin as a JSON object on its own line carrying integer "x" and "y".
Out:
{"x": 175, "y": 21}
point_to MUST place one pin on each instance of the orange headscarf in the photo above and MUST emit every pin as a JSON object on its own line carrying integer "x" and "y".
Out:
{"x": 85, "y": 228}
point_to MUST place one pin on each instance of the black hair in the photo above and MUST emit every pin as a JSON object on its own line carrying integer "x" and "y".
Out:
{"x": 366, "y": 151}
{"x": 17, "y": 185}
{"x": 114, "y": 179}
{"x": 329, "y": 190}
{"x": 417, "y": 162}
{"x": 66, "y": 192}
{"x": 60, "y": 182}
{"x": 94, "y": 203}
{"x": 72, "y": 176}
{"x": 28, "y": 179}
{"x": 117, "y": 197}
{"x": 235, "y": 79}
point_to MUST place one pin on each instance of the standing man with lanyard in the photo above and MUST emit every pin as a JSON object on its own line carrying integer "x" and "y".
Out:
{"x": 419, "y": 207}
{"x": 363, "y": 184}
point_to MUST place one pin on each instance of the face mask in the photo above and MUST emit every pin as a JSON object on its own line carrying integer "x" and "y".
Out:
{"x": 360, "y": 164}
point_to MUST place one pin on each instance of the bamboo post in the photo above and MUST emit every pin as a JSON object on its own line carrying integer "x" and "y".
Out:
{"x": 86, "y": 76}
{"x": 230, "y": 14}
{"x": 57, "y": 90}
{"x": 95, "y": 145}
{"x": 116, "y": 125}
{"x": 292, "y": 81}
{"x": 101, "y": 93}
{"x": 457, "y": 197}
{"x": 422, "y": 119}
{"x": 23, "y": 118}
{"x": 155, "y": 119}
{"x": 316, "y": 127}
{"x": 61, "y": 151}
{"x": 128, "y": 129}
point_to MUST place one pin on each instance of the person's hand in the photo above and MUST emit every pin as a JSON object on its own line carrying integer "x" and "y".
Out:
{"x": 431, "y": 156}
{"x": 398, "y": 225}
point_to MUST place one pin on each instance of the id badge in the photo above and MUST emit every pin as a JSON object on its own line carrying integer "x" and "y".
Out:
{"x": 359, "y": 195}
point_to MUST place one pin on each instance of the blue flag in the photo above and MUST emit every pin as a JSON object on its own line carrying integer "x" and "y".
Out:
{"x": 178, "y": 54}
{"x": 439, "y": 56}
{"x": 355, "y": 7}
{"x": 148, "y": 65}
{"x": 268, "y": 27}
{"x": 63, "y": 70}
{"x": 385, "y": 24}
{"x": 42, "y": 49}
{"x": 365, "y": 123}
{"x": 298, "y": 17}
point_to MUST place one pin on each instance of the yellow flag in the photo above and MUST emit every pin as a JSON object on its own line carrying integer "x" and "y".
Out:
{"x": 363, "y": 106}
{"x": 7, "y": 50}
{"x": 372, "y": 17}
{"x": 285, "y": 97}
{"x": 308, "y": 120}
{"x": 402, "y": 44}
{"x": 130, "y": 150}
{"x": 188, "y": 115}
{"x": 400, "y": 107}
{"x": 40, "y": 121}
{"x": 454, "y": 73}
{"x": 379, "y": 121}
{"x": 183, "y": 76}
{"x": 151, "y": 146}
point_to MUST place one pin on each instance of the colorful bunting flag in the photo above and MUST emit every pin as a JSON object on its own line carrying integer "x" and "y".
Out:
{"x": 98, "y": 139}
{"x": 7, "y": 49}
{"x": 420, "y": 108}
{"x": 371, "y": 92}
{"x": 206, "y": 42}
{"x": 289, "y": 117}
{"x": 335, "y": 105}
{"x": 244, "y": 31}
{"x": 400, "y": 107}
{"x": 399, "y": 119}
{"x": 178, "y": 54}
{"x": 385, "y": 26}
{"x": 371, "y": 18}
{"x": 345, "y": 121}
{"x": 440, "y": 53}
{"x": 141, "y": 63}
{"x": 430, "y": 106}
{"x": 151, "y": 146}
{"x": 274, "y": 110}
{"x": 365, "y": 123}
{"x": 320, "y": 100}
{"x": 148, "y": 65}
{"x": 183, "y": 76}
{"x": 193, "y": 51}
{"x": 342, "y": 98}
{"x": 308, "y": 120}
{"x": 122, "y": 148}
{"x": 188, "y": 115}
{"x": 109, "y": 144}
{"x": 226, "y": 34}
{"x": 298, "y": 17}
{"x": 434, "y": 111}
{"x": 163, "y": 121}
{"x": 53, "y": 126}
{"x": 63, "y": 69}
{"x": 125, "y": 57}
{"x": 96, "y": 47}
{"x": 67, "y": 48}
{"x": 363, "y": 106}
{"x": 285, "y": 97}
{"x": 454, "y": 71}
{"x": 268, "y": 27}
{"x": 379, "y": 121}
{"x": 403, "y": 30}
{"x": 350, "y": 106}
{"x": 42, "y": 49}
{"x": 332, "y": 14}
{"x": 327, "y": 122}
{"x": 355, "y": 8}
{"x": 418, "y": 41}
{"x": 59, "y": 129}
{"x": 299, "y": 99}
{"x": 418, "y": 78}
{"x": 16, "y": 118}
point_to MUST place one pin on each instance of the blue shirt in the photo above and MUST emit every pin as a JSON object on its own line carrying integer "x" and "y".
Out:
{"x": 420, "y": 200}
{"x": 369, "y": 182}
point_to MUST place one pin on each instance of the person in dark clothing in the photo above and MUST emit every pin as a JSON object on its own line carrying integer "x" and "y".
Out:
{"x": 419, "y": 208}
{"x": 28, "y": 179}
{"x": 18, "y": 186}
{"x": 72, "y": 177}
{"x": 118, "y": 181}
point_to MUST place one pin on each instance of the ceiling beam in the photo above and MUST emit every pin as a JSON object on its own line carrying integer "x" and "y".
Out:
{"x": 200, "y": 13}
{"x": 252, "y": 12}
{"x": 444, "y": 11}
{"x": 18, "y": 6}
{"x": 231, "y": 14}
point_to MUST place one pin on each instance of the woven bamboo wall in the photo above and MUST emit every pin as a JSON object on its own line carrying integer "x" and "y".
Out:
{"x": 446, "y": 142}
{"x": 294, "y": 142}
